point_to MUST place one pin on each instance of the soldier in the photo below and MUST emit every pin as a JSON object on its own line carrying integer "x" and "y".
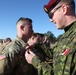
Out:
{"x": 12, "y": 59}
{"x": 8, "y": 40}
{"x": 62, "y": 13}
{"x": 33, "y": 38}
{"x": 39, "y": 48}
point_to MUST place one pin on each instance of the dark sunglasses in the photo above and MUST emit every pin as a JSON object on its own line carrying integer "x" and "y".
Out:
{"x": 50, "y": 14}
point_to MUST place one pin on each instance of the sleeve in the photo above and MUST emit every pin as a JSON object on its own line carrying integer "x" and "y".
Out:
{"x": 13, "y": 57}
{"x": 3, "y": 65}
{"x": 43, "y": 67}
{"x": 8, "y": 59}
{"x": 73, "y": 67}
{"x": 73, "y": 61}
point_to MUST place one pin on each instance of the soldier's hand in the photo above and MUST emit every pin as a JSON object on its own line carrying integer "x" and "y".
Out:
{"x": 29, "y": 55}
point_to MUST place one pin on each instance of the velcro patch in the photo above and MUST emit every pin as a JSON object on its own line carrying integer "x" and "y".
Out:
{"x": 2, "y": 56}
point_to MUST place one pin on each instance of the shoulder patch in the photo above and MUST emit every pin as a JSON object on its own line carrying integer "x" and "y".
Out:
{"x": 2, "y": 56}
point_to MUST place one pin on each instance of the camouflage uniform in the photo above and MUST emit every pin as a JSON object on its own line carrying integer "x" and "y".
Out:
{"x": 42, "y": 49}
{"x": 12, "y": 59}
{"x": 64, "y": 55}
{"x": 1, "y": 46}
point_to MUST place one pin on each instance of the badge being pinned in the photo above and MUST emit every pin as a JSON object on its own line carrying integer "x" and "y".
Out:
{"x": 2, "y": 56}
{"x": 66, "y": 51}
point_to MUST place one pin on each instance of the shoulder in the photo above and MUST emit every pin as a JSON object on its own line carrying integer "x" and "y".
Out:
{"x": 14, "y": 46}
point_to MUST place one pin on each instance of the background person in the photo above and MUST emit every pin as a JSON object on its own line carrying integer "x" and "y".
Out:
{"x": 8, "y": 40}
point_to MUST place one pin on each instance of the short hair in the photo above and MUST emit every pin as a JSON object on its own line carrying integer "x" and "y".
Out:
{"x": 34, "y": 34}
{"x": 8, "y": 39}
{"x": 67, "y": 1}
{"x": 24, "y": 19}
{"x": 1, "y": 41}
{"x": 70, "y": 3}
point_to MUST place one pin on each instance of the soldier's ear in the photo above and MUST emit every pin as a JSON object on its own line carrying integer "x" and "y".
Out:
{"x": 22, "y": 27}
{"x": 65, "y": 8}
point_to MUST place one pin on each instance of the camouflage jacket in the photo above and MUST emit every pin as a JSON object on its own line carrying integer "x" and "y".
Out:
{"x": 64, "y": 56}
{"x": 1, "y": 46}
{"x": 41, "y": 49}
{"x": 12, "y": 59}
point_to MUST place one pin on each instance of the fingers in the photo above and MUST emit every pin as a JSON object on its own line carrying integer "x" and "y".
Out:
{"x": 29, "y": 56}
{"x": 29, "y": 52}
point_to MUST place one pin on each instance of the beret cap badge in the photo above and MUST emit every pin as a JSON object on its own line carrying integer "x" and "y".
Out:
{"x": 45, "y": 9}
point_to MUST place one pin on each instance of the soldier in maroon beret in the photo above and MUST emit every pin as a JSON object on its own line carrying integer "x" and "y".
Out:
{"x": 54, "y": 5}
{"x": 62, "y": 13}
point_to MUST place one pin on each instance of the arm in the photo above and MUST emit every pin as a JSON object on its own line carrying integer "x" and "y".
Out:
{"x": 6, "y": 62}
{"x": 43, "y": 67}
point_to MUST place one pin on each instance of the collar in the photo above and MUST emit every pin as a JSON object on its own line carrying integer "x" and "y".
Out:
{"x": 21, "y": 41}
{"x": 69, "y": 26}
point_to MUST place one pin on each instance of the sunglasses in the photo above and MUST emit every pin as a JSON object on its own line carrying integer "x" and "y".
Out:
{"x": 50, "y": 14}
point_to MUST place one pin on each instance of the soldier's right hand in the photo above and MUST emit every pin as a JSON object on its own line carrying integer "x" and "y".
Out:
{"x": 29, "y": 56}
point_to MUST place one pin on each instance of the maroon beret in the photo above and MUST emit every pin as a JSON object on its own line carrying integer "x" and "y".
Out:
{"x": 51, "y": 4}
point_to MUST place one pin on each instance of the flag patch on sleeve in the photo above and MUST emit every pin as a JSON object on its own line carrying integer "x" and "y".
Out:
{"x": 2, "y": 56}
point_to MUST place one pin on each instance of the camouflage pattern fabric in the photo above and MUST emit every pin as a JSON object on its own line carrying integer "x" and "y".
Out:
{"x": 1, "y": 46}
{"x": 64, "y": 56}
{"x": 12, "y": 60}
{"x": 41, "y": 49}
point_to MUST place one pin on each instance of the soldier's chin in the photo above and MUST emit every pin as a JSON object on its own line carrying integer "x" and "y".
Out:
{"x": 58, "y": 28}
